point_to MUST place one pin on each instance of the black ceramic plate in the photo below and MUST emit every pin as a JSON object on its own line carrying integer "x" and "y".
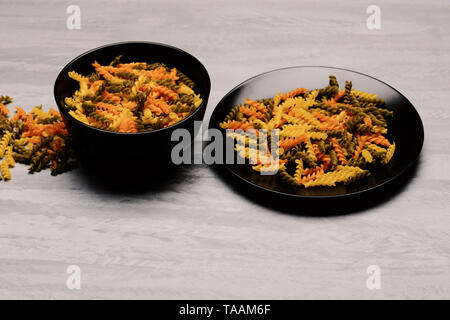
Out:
{"x": 405, "y": 128}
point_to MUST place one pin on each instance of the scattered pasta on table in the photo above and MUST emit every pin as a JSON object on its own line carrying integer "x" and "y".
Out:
{"x": 38, "y": 139}
{"x": 326, "y": 136}
{"x": 132, "y": 97}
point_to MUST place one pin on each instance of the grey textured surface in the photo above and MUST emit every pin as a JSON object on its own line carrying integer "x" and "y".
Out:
{"x": 197, "y": 238}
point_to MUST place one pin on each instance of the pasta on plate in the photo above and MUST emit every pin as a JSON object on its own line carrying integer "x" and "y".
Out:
{"x": 325, "y": 136}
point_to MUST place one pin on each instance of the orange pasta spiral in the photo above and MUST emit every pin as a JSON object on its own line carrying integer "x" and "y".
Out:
{"x": 362, "y": 141}
{"x": 378, "y": 139}
{"x": 290, "y": 142}
{"x": 255, "y": 104}
{"x": 293, "y": 93}
{"x": 251, "y": 112}
{"x": 339, "y": 152}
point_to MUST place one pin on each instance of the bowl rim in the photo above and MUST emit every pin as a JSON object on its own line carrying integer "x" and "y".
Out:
{"x": 299, "y": 196}
{"x": 64, "y": 71}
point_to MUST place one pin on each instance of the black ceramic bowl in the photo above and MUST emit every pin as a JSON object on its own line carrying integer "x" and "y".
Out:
{"x": 99, "y": 149}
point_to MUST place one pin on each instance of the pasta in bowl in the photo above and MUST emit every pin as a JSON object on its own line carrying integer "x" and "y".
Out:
{"x": 132, "y": 97}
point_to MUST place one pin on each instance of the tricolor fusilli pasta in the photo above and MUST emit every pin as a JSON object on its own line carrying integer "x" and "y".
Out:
{"x": 38, "y": 139}
{"x": 326, "y": 136}
{"x": 132, "y": 97}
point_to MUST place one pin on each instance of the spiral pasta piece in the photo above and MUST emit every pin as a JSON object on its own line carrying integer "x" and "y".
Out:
{"x": 293, "y": 93}
{"x": 4, "y": 142}
{"x": 257, "y": 105}
{"x": 367, "y": 156}
{"x": 378, "y": 139}
{"x": 290, "y": 142}
{"x": 339, "y": 151}
{"x": 3, "y": 109}
{"x": 251, "y": 112}
{"x": 389, "y": 154}
{"x": 4, "y": 170}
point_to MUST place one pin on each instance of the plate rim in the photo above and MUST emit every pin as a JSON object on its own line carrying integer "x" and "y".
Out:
{"x": 299, "y": 196}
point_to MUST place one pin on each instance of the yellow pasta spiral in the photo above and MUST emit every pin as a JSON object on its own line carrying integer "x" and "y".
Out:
{"x": 4, "y": 142}
{"x": 294, "y": 130}
{"x": 9, "y": 157}
{"x": 298, "y": 169}
{"x": 342, "y": 174}
{"x": 4, "y": 169}
{"x": 367, "y": 156}
{"x": 307, "y": 116}
{"x": 389, "y": 153}
{"x": 310, "y": 150}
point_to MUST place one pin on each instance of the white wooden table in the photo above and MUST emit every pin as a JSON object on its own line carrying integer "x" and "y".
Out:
{"x": 196, "y": 237}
